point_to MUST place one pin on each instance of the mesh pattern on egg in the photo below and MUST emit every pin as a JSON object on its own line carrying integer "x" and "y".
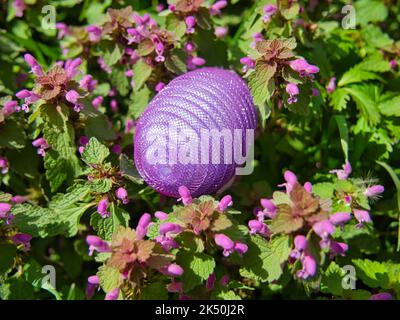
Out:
{"x": 207, "y": 98}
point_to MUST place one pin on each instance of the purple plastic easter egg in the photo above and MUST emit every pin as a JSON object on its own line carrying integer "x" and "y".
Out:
{"x": 176, "y": 137}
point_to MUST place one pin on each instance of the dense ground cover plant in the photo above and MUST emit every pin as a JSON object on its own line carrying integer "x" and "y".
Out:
{"x": 324, "y": 195}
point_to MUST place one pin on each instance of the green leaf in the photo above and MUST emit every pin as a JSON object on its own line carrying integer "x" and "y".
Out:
{"x": 16, "y": 289}
{"x": 7, "y": 256}
{"x": 110, "y": 278}
{"x": 374, "y": 274}
{"x": 120, "y": 81}
{"x": 95, "y": 152}
{"x": 140, "y": 99}
{"x": 355, "y": 75}
{"x": 370, "y": 11}
{"x": 261, "y": 82}
{"x": 101, "y": 185}
{"x": 197, "y": 268}
{"x": 324, "y": 190}
{"x": 331, "y": 281}
{"x": 344, "y": 135}
{"x": 154, "y": 291}
{"x": 175, "y": 25}
{"x": 99, "y": 128}
{"x": 113, "y": 54}
{"x": 396, "y": 182}
{"x": 128, "y": 170}
{"x": 225, "y": 294}
{"x": 176, "y": 62}
{"x": 106, "y": 227}
{"x": 339, "y": 99}
{"x": 141, "y": 73}
{"x": 263, "y": 259}
{"x": 390, "y": 107}
{"x": 12, "y": 135}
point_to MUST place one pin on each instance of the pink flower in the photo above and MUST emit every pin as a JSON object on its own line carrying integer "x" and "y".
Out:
{"x": 269, "y": 10}
{"x": 309, "y": 267}
{"x": 331, "y": 85}
{"x": 340, "y": 218}
{"x": 374, "y": 191}
{"x": 32, "y": 62}
{"x": 10, "y": 107}
{"x": 102, "y": 207}
{"x": 186, "y": 198}
{"x": 71, "y": 67}
{"x": 96, "y": 102}
{"x": 338, "y": 248}
{"x": 42, "y": 145}
{"x": 129, "y": 125}
{"x": 217, "y": 6}
{"x": 248, "y": 63}
{"x": 362, "y": 217}
{"x": 4, "y": 208}
{"x": 258, "y": 227}
{"x": 72, "y": 96}
{"x": 112, "y": 295}
{"x": 19, "y": 7}
{"x": 190, "y": 24}
{"x": 103, "y": 65}
{"x": 141, "y": 229}
{"x": 88, "y": 83}
{"x": 173, "y": 270}
{"x": 4, "y": 166}
{"x": 116, "y": 149}
{"x": 211, "y": 281}
{"x": 194, "y": 62}
{"x": 225, "y": 203}
{"x": 94, "y": 33}
{"x": 344, "y": 173}
{"x": 303, "y": 67}
{"x": 224, "y": 242}
{"x": 159, "y": 86}
{"x": 161, "y": 215}
{"x": 308, "y": 187}
{"x": 19, "y": 199}
{"x": 175, "y": 286}
{"x": 290, "y": 179}
{"x": 190, "y": 47}
{"x": 63, "y": 30}
{"x": 93, "y": 283}
{"x": 324, "y": 229}
{"x": 393, "y": 64}
{"x": 293, "y": 90}
{"x": 221, "y": 32}
{"x": 122, "y": 194}
{"x": 257, "y": 37}
{"x": 300, "y": 246}
{"x": 241, "y": 248}
{"x": 169, "y": 227}
{"x": 97, "y": 244}
{"x": 270, "y": 209}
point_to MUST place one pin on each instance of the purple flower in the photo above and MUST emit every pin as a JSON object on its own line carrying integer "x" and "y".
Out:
{"x": 71, "y": 67}
{"x": 257, "y": 37}
{"x": 270, "y": 209}
{"x": 221, "y": 32}
{"x": 324, "y": 229}
{"x": 122, "y": 194}
{"x": 112, "y": 295}
{"x": 170, "y": 227}
{"x": 94, "y": 33}
{"x": 217, "y": 6}
{"x": 241, "y": 248}
{"x": 190, "y": 24}
{"x": 331, "y": 85}
{"x": 300, "y": 245}
{"x": 72, "y": 96}
{"x": 293, "y": 90}
{"x": 102, "y": 207}
{"x": 337, "y": 248}
{"x": 42, "y": 145}
{"x": 290, "y": 179}
{"x": 258, "y": 227}
{"x": 248, "y": 63}
{"x": 32, "y": 62}
{"x": 303, "y": 67}
{"x": 190, "y": 47}
{"x": 344, "y": 173}
{"x": 167, "y": 242}
{"x": 103, "y": 65}
{"x": 224, "y": 280}
{"x": 129, "y": 125}
{"x": 10, "y": 107}
{"x": 269, "y": 10}
{"x": 173, "y": 270}
{"x": 97, "y": 244}
{"x": 4, "y": 212}
{"x": 93, "y": 283}
{"x": 224, "y": 242}
{"x": 19, "y": 7}
{"x": 159, "y": 86}
{"x": 362, "y": 217}
{"x": 381, "y": 296}
{"x": 4, "y": 166}
{"x": 161, "y": 215}
{"x": 63, "y": 30}
{"x": 211, "y": 281}
{"x": 308, "y": 187}
{"x": 141, "y": 229}
{"x": 88, "y": 83}
{"x": 116, "y": 149}
{"x": 309, "y": 267}
{"x": 225, "y": 203}
{"x": 315, "y": 92}
{"x": 340, "y": 218}
{"x": 29, "y": 98}
{"x": 374, "y": 191}
{"x": 194, "y": 62}
{"x": 393, "y": 64}
{"x": 96, "y": 102}
{"x": 186, "y": 198}
{"x": 19, "y": 199}
{"x": 24, "y": 239}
